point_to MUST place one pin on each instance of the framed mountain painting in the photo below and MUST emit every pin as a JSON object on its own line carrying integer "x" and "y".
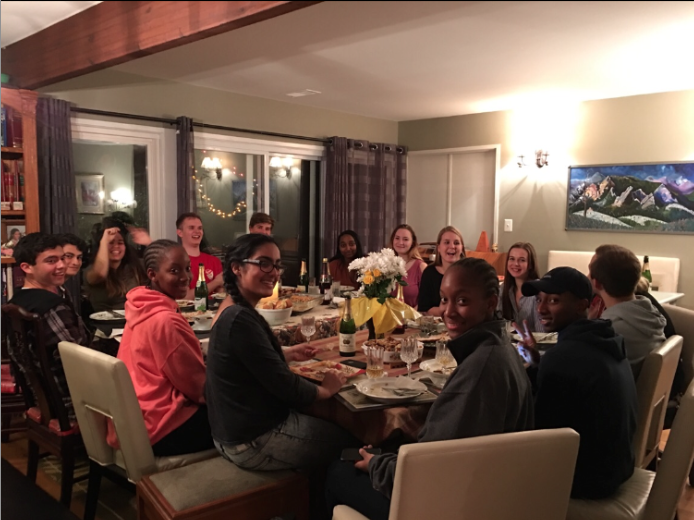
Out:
{"x": 641, "y": 198}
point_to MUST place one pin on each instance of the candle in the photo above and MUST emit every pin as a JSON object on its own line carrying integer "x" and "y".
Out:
{"x": 275, "y": 295}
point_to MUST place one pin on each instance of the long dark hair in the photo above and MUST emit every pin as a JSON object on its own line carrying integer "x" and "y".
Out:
{"x": 244, "y": 247}
{"x": 338, "y": 255}
{"x": 506, "y": 306}
{"x": 130, "y": 266}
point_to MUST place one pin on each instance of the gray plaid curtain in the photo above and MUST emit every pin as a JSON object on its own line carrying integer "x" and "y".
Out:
{"x": 184, "y": 163}
{"x": 365, "y": 190}
{"x": 57, "y": 200}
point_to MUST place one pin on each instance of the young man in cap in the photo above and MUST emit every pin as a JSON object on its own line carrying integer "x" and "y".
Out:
{"x": 585, "y": 382}
{"x": 614, "y": 272}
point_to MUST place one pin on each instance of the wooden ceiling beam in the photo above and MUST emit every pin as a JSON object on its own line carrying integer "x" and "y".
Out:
{"x": 114, "y": 32}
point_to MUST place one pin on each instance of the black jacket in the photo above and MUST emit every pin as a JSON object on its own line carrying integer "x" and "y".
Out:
{"x": 585, "y": 383}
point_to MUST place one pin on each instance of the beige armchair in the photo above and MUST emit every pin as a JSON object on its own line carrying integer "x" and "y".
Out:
{"x": 524, "y": 476}
{"x": 648, "y": 495}
{"x": 653, "y": 389}
{"x": 101, "y": 387}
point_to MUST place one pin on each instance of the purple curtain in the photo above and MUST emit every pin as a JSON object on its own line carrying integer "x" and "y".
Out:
{"x": 184, "y": 164}
{"x": 365, "y": 190}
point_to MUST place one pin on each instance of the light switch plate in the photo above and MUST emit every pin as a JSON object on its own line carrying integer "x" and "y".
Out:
{"x": 508, "y": 224}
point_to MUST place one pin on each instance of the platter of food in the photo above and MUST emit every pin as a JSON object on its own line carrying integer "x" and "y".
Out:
{"x": 391, "y": 347}
{"x": 316, "y": 371}
{"x": 305, "y": 302}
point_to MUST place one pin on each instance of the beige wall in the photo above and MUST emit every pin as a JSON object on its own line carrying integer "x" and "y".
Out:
{"x": 649, "y": 128}
{"x": 120, "y": 92}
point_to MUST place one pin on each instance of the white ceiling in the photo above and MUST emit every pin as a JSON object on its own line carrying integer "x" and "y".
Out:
{"x": 413, "y": 60}
{"x": 22, "y": 19}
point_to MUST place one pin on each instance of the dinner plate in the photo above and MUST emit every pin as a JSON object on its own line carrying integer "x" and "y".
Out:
{"x": 389, "y": 390}
{"x": 546, "y": 338}
{"x": 107, "y": 316}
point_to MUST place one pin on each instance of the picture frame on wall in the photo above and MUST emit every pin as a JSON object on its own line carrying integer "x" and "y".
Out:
{"x": 90, "y": 193}
{"x": 631, "y": 198}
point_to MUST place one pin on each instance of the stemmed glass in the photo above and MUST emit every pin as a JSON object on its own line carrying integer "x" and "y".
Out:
{"x": 444, "y": 357}
{"x": 409, "y": 353}
{"x": 308, "y": 327}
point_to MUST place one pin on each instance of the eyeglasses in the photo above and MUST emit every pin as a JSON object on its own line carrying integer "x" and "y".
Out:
{"x": 266, "y": 266}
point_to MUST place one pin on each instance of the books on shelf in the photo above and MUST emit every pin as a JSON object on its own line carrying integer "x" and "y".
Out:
{"x": 13, "y": 190}
{"x": 12, "y": 133}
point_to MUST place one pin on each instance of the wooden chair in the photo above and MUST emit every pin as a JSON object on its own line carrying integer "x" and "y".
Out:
{"x": 49, "y": 429}
{"x": 13, "y": 402}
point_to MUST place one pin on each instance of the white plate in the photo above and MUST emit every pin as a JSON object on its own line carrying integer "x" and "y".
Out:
{"x": 107, "y": 316}
{"x": 382, "y": 389}
{"x": 548, "y": 338}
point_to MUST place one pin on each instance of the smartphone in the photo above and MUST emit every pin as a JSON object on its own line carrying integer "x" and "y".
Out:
{"x": 352, "y": 454}
{"x": 354, "y": 363}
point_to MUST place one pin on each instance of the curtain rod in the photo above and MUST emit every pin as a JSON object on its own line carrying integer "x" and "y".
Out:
{"x": 200, "y": 125}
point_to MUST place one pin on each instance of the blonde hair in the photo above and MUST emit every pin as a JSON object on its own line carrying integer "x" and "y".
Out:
{"x": 448, "y": 229}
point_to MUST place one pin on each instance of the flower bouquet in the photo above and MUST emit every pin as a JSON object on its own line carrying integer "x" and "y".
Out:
{"x": 379, "y": 274}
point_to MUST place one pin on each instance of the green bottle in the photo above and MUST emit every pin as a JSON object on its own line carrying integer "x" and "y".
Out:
{"x": 303, "y": 275}
{"x": 348, "y": 331}
{"x": 201, "y": 290}
{"x": 646, "y": 273}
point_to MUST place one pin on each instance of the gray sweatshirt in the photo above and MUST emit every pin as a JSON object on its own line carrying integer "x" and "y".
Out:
{"x": 641, "y": 325}
{"x": 488, "y": 393}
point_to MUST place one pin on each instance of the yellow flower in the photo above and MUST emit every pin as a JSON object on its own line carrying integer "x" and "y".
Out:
{"x": 367, "y": 273}
{"x": 377, "y": 273}
{"x": 368, "y": 279}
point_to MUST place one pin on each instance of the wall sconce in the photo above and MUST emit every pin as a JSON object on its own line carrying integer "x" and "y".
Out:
{"x": 122, "y": 198}
{"x": 212, "y": 164}
{"x": 541, "y": 158}
{"x": 285, "y": 167}
{"x": 521, "y": 163}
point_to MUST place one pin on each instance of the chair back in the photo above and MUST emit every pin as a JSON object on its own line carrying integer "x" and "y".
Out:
{"x": 101, "y": 388}
{"x": 675, "y": 464}
{"x": 524, "y": 476}
{"x": 683, "y": 320}
{"x": 36, "y": 363}
{"x": 653, "y": 391}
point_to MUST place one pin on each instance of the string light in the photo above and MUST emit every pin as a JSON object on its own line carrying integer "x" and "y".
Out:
{"x": 241, "y": 206}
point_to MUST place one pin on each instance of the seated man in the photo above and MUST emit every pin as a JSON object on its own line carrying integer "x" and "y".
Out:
{"x": 585, "y": 382}
{"x": 261, "y": 223}
{"x": 74, "y": 249}
{"x": 487, "y": 393}
{"x": 189, "y": 229}
{"x": 615, "y": 272}
{"x": 40, "y": 256}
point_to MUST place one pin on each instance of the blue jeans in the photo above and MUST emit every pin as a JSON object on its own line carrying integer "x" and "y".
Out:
{"x": 300, "y": 442}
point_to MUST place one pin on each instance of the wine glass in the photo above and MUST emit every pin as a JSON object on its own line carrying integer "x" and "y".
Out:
{"x": 408, "y": 353}
{"x": 308, "y": 327}
{"x": 444, "y": 357}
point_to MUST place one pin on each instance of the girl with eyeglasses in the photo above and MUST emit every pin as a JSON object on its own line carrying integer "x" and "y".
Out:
{"x": 252, "y": 396}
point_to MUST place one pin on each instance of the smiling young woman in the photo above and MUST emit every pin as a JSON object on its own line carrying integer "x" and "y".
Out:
{"x": 521, "y": 266}
{"x": 450, "y": 248}
{"x": 163, "y": 355}
{"x": 404, "y": 242}
{"x": 348, "y": 249}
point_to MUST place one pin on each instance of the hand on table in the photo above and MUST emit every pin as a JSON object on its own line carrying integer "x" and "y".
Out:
{"x": 366, "y": 458}
{"x": 333, "y": 382}
{"x": 300, "y": 353}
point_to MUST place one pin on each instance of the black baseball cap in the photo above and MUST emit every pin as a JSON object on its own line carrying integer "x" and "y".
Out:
{"x": 560, "y": 280}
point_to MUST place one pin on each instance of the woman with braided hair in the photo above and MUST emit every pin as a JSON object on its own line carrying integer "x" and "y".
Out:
{"x": 252, "y": 395}
{"x": 163, "y": 355}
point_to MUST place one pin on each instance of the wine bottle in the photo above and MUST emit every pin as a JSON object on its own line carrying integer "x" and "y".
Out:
{"x": 325, "y": 283}
{"x": 646, "y": 273}
{"x": 348, "y": 331}
{"x": 303, "y": 275}
{"x": 201, "y": 290}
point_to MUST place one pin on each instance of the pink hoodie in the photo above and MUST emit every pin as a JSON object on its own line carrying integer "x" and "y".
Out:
{"x": 165, "y": 362}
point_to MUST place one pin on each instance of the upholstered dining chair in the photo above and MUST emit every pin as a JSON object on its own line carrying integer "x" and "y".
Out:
{"x": 49, "y": 428}
{"x": 101, "y": 388}
{"x": 653, "y": 391}
{"x": 648, "y": 495}
{"x": 524, "y": 476}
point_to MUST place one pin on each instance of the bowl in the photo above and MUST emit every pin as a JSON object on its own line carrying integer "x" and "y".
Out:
{"x": 275, "y": 317}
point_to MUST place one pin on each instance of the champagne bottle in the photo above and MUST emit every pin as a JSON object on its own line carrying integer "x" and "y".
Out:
{"x": 646, "y": 273}
{"x": 348, "y": 331}
{"x": 325, "y": 283}
{"x": 201, "y": 290}
{"x": 303, "y": 275}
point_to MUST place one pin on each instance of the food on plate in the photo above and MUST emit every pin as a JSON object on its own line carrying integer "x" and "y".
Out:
{"x": 316, "y": 371}
{"x": 286, "y": 291}
{"x": 276, "y": 305}
{"x": 185, "y": 303}
{"x": 433, "y": 339}
{"x": 389, "y": 344}
{"x": 192, "y": 314}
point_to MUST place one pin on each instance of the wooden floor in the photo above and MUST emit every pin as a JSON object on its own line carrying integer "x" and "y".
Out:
{"x": 117, "y": 503}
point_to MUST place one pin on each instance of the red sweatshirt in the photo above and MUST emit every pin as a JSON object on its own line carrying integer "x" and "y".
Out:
{"x": 164, "y": 360}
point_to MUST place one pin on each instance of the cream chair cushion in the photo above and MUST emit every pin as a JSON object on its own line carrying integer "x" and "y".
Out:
{"x": 627, "y": 504}
{"x": 683, "y": 320}
{"x": 347, "y": 513}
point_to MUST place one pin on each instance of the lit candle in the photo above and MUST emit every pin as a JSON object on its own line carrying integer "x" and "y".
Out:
{"x": 275, "y": 295}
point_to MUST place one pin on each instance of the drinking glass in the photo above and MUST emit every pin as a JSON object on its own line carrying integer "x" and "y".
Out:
{"x": 409, "y": 353}
{"x": 427, "y": 325}
{"x": 308, "y": 327}
{"x": 336, "y": 289}
{"x": 374, "y": 361}
{"x": 444, "y": 356}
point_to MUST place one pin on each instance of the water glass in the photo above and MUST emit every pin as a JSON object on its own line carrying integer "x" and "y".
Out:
{"x": 308, "y": 327}
{"x": 444, "y": 356}
{"x": 374, "y": 361}
{"x": 335, "y": 288}
{"x": 409, "y": 353}
{"x": 427, "y": 325}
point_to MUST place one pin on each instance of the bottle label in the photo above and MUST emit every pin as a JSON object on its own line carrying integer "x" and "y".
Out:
{"x": 348, "y": 343}
{"x": 201, "y": 304}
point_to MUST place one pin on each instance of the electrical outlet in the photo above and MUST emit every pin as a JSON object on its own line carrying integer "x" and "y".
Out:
{"x": 508, "y": 225}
